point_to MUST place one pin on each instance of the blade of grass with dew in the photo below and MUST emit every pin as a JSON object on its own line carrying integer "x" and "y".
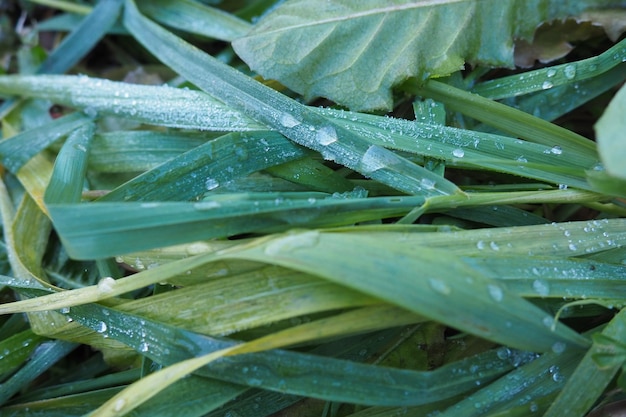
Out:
{"x": 16, "y": 349}
{"x": 554, "y": 76}
{"x": 82, "y": 39}
{"x": 194, "y": 17}
{"x": 553, "y": 277}
{"x": 505, "y": 118}
{"x": 46, "y": 354}
{"x": 204, "y": 168}
{"x": 136, "y": 151}
{"x": 78, "y": 43}
{"x": 175, "y": 107}
{"x": 447, "y": 291}
{"x": 592, "y": 375}
{"x": 244, "y": 301}
{"x": 526, "y": 384}
{"x": 283, "y": 114}
{"x": 165, "y": 344}
{"x": 549, "y": 104}
{"x": 356, "y": 386}
{"x": 19, "y": 149}
{"x": 355, "y": 321}
{"x": 87, "y": 233}
{"x": 66, "y": 182}
{"x": 567, "y": 239}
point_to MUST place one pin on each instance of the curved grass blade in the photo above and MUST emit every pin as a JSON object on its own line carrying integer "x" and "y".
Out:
{"x": 206, "y": 167}
{"x": 88, "y": 234}
{"x": 444, "y": 290}
{"x": 195, "y": 17}
{"x": 591, "y": 376}
{"x": 294, "y": 372}
{"x": 554, "y": 76}
{"x": 281, "y": 113}
{"x": 66, "y": 183}
{"x": 45, "y": 355}
{"x": 17, "y": 150}
{"x": 78, "y": 43}
{"x": 175, "y": 108}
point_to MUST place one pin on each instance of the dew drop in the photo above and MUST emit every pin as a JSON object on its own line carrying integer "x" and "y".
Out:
{"x": 521, "y": 159}
{"x": 211, "y": 184}
{"x": 459, "y": 153}
{"x": 562, "y": 186}
{"x": 541, "y": 287}
{"x": 546, "y": 85}
{"x": 570, "y": 72}
{"x": 65, "y": 310}
{"x": 106, "y": 284}
{"x": 427, "y": 183}
{"x": 326, "y": 135}
{"x": 572, "y": 247}
{"x": 119, "y": 405}
{"x": 291, "y": 243}
{"x": 143, "y": 347}
{"x": 101, "y": 327}
{"x": 495, "y": 292}
{"x": 558, "y": 347}
{"x": 503, "y": 353}
{"x": 556, "y": 150}
{"x": 480, "y": 245}
{"x": 440, "y": 286}
{"x": 494, "y": 246}
{"x": 376, "y": 158}
{"x": 288, "y": 121}
{"x": 551, "y": 73}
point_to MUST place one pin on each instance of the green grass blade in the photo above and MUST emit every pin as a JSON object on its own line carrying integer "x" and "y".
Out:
{"x": 19, "y": 149}
{"x": 78, "y": 43}
{"x": 175, "y": 107}
{"x": 590, "y": 379}
{"x": 195, "y": 17}
{"x": 208, "y": 166}
{"x": 505, "y": 118}
{"x": 46, "y": 355}
{"x": 66, "y": 183}
{"x": 554, "y": 76}
{"x": 447, "y": 291}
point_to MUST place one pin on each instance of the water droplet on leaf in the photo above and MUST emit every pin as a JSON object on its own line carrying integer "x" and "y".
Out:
{"x": 326, "y": 135}
{"x": 106, "y": 284}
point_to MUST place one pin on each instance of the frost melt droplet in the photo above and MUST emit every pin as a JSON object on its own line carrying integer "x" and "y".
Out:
{"x": 459, "y": 153}
{"x": 556, "y": 150}
{"x": 495, "y": 292}
{"x": 570, "y": 72}
{"x": 106, "y": 284}
{"x": 440, "y": 286}
{"x": 101, "y": 327}
{"x": 288, "y": 121}
{"x": 326, "y": 135}
{"x": 211, "y": 184}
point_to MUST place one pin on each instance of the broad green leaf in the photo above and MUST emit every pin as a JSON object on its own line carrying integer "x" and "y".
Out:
{"x": 611, "y": 131}
{"x": 353, "y": 52}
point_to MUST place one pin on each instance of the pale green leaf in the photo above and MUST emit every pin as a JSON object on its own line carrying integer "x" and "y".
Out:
{"x": 354, "y": 52}
{"x": 611, "y": 131}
